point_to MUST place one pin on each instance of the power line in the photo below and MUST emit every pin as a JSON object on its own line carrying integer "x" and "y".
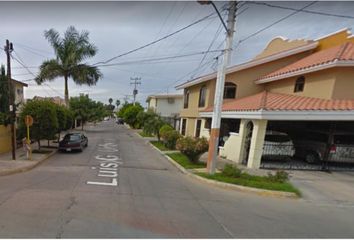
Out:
{"x": 156, "y": 41}
{"x": 274, "y": 23}
{"x": 22, "y": 64}
{"x": 159, "y": 59}
{"x": 302, "y": 10}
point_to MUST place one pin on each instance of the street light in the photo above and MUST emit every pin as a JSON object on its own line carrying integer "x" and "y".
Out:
{"x": 220, "y": 82}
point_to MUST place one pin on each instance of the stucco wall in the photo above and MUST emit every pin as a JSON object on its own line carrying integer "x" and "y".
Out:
{"x": 152, "y": 104}
{"x": 5, "y": 139}
{"x": 344, "y": 85}
{"x": 166, "y": 109}
{"x": 190, "y": 129}
{"x": 280, "y": 44}
{"x": 318, "y": 85}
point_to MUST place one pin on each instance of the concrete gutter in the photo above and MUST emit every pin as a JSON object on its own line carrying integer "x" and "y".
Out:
{"x": 258, "y": 191}
{"x": 20, "y": 169}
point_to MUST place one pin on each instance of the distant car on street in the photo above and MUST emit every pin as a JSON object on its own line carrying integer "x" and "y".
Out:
{"x": 73, "y": 141}
{"x": 120, "y": 121}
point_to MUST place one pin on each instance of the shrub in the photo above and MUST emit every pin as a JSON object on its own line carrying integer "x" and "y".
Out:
{"x": 232, "y": 171}
{"x": 170, "y": 138}
{"x": 153, "y": 124}
{"x": 280, "y": 176}
{"x": 164, "y": 129}
{"x": 192, "y": 147}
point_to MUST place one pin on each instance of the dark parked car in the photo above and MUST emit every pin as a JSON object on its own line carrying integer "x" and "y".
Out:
{"x": 119, "y": 121}
{"x": 73, "y": 141}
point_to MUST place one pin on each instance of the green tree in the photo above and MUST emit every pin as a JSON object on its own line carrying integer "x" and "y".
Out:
{"x": 64, "y": 116}
{"x": 153, "y": 125}
{"x": 117, "y": 103}
{"x": 110, "y": 100}
{"x": 70, "y": 51}
{"x": 80, "y": 106}
{"x": 45, "y": 121}
{"x": 131, "y": 113}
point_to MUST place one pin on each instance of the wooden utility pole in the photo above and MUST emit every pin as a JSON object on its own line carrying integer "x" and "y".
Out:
{"x": 8, "y": 49}
{"x": 135, "y": 82}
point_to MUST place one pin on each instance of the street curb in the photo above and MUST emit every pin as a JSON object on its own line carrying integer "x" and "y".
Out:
{"x": 262, "y": 192}
{"x": 27, "y": 168}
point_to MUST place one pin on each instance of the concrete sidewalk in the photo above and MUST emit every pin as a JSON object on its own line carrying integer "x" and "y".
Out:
{"x": 21, "y": 164}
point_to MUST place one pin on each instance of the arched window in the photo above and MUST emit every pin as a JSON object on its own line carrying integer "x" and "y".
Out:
{"x": 202, "y": 96}
{"x": 299, "y": 84}
{"x": 186, "y": 98}
{"x": 230, "y": 90}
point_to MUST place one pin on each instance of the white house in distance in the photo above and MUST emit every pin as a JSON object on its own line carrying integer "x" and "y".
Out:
{"x": 167, "y": 106}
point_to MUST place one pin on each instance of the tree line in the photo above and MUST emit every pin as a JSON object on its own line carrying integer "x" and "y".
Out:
{"x": 50, "y": 119}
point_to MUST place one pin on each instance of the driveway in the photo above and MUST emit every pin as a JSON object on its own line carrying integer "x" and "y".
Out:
{"x": 325, "y": 188}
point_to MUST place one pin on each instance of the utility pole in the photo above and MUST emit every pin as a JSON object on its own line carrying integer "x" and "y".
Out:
{"x": 8, "y": 49}
{"x": 220, "y": 82}
{"x": 135, "y": 81}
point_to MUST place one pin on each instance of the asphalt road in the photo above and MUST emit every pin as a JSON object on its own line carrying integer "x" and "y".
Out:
{"x": 151, "y": 199}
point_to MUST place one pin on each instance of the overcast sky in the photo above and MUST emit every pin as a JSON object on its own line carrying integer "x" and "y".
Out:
{"x": 117, "y": 27}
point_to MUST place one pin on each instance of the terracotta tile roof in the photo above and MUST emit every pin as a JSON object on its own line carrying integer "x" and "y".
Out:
{"x": 344, "y": 52}
{"x": 285, "y": 102}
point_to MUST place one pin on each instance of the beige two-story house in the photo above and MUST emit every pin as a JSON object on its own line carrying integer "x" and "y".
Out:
{"x": 289, "y": 82}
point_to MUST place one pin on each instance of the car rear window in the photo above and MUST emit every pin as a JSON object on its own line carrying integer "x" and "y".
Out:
{"x": 72, "y": 137}
{"x": 344, "y": 139}
{"x": 277, "y": 138}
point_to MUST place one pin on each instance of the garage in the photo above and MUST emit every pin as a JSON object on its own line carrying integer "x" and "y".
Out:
{"x": 309, "y": 145}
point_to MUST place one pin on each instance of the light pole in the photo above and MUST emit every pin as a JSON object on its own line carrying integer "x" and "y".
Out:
{"x": 220, "y": 82}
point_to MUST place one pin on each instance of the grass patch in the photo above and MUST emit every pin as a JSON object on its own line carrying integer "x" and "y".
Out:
{"x": 183, "y": 160}
{"x": 160, "y": 146}
{"x": 145, "y": 134}
{"x": 41, "y": 151}
{"x": 253, "y": 181}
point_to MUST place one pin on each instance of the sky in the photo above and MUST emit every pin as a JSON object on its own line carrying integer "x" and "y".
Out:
{"x": 118, "y": 27}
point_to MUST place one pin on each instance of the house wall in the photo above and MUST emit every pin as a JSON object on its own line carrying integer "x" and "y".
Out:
{"x": 5, "y": 139}
{"x": 344, "y": 85}
{"x": 166, "y": 109}
{"x": 152, "y": 104}
{"x": 190, "y": 129}
{"x": 334, "y": 40}
{"x": 244, "y": 80}
{"x": 317, "y": 84}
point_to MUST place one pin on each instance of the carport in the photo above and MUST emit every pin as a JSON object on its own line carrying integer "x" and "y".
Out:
{"x": 317, "y": 145}
{"x": 284, "y": 113}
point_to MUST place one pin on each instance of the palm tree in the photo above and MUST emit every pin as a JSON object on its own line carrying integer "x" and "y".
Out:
{"x": 110, "y": 100}
{"x": 117, "y": 103}
{"x": 71, "y": 51}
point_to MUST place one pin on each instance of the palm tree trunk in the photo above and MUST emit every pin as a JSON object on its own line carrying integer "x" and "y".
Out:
{"x": 66, "y": 91}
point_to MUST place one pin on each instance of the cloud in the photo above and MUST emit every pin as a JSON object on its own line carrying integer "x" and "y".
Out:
{"x": 117, "y": 27}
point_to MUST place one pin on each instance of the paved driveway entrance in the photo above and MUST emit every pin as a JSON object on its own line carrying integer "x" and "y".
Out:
{"x": 325, "y": 188}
